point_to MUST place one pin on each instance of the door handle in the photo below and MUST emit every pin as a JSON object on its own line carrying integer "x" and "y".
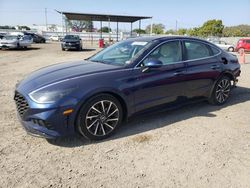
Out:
{"x": 179, "y": 73}
{"x": 214, "y": 67}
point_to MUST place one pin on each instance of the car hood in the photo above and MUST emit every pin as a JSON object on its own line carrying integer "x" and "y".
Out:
{"x": 60, "y": 72}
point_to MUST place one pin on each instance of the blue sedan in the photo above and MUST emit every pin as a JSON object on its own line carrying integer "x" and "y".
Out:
{"x": 94, "y": 96}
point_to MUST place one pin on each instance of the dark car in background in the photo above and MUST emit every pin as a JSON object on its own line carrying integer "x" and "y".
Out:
{"x": 71, "y": 42}
{"x": 94, "y": 96}
{"x": 36, "y": 37}
{"x": 243, "y": 44}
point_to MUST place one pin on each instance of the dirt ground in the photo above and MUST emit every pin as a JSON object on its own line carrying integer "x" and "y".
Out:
{"x": 195, "y": 146}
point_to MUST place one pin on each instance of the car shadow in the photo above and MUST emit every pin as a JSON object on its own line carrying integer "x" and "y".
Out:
{"x": 161, "y": 118}
{"x": 88, "y": 49}
{"x": 21, "y": 49}
{"x": 83, "y": 50}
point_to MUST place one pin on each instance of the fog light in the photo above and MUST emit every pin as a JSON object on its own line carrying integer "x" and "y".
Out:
{"x": 41, "y": 123}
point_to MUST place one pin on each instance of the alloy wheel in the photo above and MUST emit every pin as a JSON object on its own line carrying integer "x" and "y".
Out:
{"x": 102, "y": 118}
{"x": 223, "y": 90}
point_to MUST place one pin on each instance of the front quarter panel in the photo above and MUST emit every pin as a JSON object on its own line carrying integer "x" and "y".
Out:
{"x": 117, "y": 82}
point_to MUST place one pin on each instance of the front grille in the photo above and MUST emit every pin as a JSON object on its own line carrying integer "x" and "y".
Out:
{"x": 21, "y": 104}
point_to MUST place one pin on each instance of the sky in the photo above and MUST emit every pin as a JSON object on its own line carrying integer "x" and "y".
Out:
{"x": 187, "y": 13}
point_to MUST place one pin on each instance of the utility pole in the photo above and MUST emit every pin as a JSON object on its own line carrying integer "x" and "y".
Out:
{"x": 46, "y": 21}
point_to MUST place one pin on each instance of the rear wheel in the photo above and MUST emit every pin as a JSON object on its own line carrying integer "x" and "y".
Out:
{"x": 231, "y": 49}
{"x": 63, "y": 49}
{"x": 100, "y": 117}
{"x": 221, "y": 91}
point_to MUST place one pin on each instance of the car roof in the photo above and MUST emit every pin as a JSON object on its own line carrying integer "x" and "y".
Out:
{"x": 162, "y": 38}
{"x": 244, "y": 38}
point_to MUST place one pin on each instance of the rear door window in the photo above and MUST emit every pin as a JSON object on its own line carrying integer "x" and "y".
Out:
{"x": 196, "y": 50}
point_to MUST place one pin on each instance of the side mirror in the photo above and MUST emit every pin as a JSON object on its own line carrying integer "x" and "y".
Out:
{"x": 152, "y": 64}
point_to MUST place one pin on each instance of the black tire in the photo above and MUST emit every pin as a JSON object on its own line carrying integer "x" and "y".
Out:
{"x": 100, "y": 117}
{"x": 221, "y": 91}
{"x": 63, "y": 49}
{"x": 231, "y": 49}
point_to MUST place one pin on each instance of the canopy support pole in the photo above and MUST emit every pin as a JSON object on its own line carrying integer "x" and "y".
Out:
{"x": 101, "y": 30}
{"x": 131, "y": 30}
{"x": 109, "y": 31}
{"x": 117, "y": 31}
{"x": 139, "y": 27}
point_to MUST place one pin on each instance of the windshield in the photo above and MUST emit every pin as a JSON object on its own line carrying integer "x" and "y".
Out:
{"x": 74, "y": 37}
{"x": 121, "y": 53}
{"x": 10, "y": 37}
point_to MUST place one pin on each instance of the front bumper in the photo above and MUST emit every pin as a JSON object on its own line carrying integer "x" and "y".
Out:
{"x": 37, "y": 131}
{"x": 71, "y": 46}
{"x": 46, "y": 121}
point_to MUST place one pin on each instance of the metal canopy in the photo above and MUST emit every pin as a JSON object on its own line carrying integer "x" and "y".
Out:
{"x": 102, "y": 17}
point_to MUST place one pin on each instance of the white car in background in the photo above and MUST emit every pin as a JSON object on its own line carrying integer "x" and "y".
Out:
{"x": 14, "y": 41}
{"x": 54, "y": 38}
{"x": 223, "y": 45}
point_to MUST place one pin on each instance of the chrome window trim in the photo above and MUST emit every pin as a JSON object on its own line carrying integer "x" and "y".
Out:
{"x": 180, "y": 40}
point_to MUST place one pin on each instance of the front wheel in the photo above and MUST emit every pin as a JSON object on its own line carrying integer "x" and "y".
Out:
{"x": 221, "y": 91}
{"x": 100, "y": 117}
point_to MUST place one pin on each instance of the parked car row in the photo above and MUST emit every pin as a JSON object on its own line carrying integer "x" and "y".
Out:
{"x": 36, "y": 37}
{"x": 15, "y": 41}
{"x": 242, "y": 44}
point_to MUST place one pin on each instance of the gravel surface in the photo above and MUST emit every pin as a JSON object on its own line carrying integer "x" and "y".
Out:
{"x": 197, "y": 145}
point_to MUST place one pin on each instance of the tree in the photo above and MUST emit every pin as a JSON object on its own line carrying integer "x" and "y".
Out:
{"x": 170, "y": 32}
{"x": 211, "y": 28}
{"x": 157, "y": 28}
{"x": 52, "y": 27}
{"x": 181, "y": 31}
{"x": 79, "y": 25}
{"x": 139, "y": 31}
{"x": 7, "y": 27}
{"x": 194, "y": 32}
{"x": 105, "y": 30}
{"x": 23, "y": 27}
{"x": 237, "y": 31}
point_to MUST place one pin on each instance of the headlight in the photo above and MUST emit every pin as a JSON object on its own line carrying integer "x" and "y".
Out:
{"x": 49, "y": 96}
